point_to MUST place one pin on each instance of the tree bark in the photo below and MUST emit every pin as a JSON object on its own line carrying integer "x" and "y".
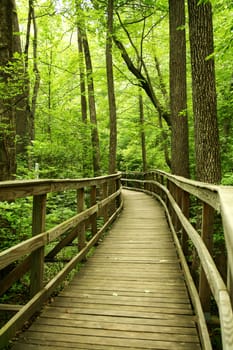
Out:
{"x": 82, "y": 77}
{"x": 178, "y": 94}
{"x": 92, "y": 108}
{"x": 7, "y": 108}
{"x": 142, "y": 132}
{"x": 83, "y": 99}
{"x": 208, "y": 166}
{"x": 36, "y": 74}
{"x": 112, "y": 167}
{"x": 23, "y": 111}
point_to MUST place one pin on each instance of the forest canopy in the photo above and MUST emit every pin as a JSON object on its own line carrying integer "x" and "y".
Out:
{"x": 86, "y": 87}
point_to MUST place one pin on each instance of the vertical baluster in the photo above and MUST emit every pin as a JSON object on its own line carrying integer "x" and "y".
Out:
{"x": 118, "y": 198}
{"x": 81, "y": 228}
{"x": 207, "y": 236}
{"x": 185, "y": 210}
{"x": 37, "y": 257}
{"x": 105, "y": 194}
{"x": 94, "y": 216}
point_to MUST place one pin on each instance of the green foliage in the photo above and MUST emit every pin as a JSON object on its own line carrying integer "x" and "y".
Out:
{"x": 15, "y": 222}
{"x": 12, "y": 78}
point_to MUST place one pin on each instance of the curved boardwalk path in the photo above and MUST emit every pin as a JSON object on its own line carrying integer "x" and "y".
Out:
{"x": 129, "y": 295}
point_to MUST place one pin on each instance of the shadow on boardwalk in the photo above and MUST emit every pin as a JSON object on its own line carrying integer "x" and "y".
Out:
{"x": 130, "y": 294}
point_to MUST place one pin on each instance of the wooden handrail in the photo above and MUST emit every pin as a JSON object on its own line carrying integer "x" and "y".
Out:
{"x": 30, "y": 254}
{"x": 170, "y": 189}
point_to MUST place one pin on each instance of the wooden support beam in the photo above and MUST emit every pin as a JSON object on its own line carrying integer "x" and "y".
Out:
{"x": 81, "y": 228}
{"x": 104, "y": 195}
{"x": 37, "y": 257}
{"x": 207, "y": 237}
{"x": 94, "y": 216}
{"x": 185, "y": 209}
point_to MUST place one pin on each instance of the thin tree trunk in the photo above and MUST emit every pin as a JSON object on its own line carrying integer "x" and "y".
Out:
{"x": 36, "y": 74}
{"x": 22, "y": 106}
{"x": 82, "y": 77}
{"x": 85, "y": 144}
{"x": 178, "y": 94}
{"x": 142, "y": 132}
{"x": 92, "y": 108}
{"x": 111, "y": 92}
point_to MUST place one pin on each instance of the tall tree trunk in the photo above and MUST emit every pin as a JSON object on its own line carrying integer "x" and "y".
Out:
{"x": 111, "y": 93}
{"x": 178, "y": 95}
{"x": 142, "y": 131}
{"x": 85, "y": 144}
{"x": 36, "y": 74}
{"x": 208, "y": 166}
{"x": 7, "y": 96}
{"x": 82, "y": 77}
{"x": 92, "y": 108}
{"x": 22, "y": 100}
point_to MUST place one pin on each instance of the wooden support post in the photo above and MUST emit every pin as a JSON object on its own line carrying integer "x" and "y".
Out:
{"x": 81, "y": 228}
{"x": 230, "y": 281}
{"x": 185, "y": 210}
{"x": 37, "y": 257}
{"x": 105, "y": 194}
{"x": 111, "y": 190}
{"x": 94, "y": 216}
{"x": 145, "y": 184}
{"x": 173, "y": 190}
{"x": 168, "y": 185}
{"x": 207, "y": 236}
{"x": 178, "y": 198}
{"x": 118, "y": 199}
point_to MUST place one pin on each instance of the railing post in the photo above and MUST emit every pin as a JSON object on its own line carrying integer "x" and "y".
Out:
{"x": 37, "y": 257}
{"x": 81, "y": 228}
{"x": 173, "y": 191}
{"x": 94, "y": 216}
{"x": 207, "y": 237}
{"x": 105, "y": 194}
{"x": 111, "y": 190}
{"x": 185, "y": 209}
{"x": 118, "y": 198}
{"x": 160, "y": 179}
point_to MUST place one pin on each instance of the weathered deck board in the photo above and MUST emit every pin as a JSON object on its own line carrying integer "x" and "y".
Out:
{"x": 129, "y": 295}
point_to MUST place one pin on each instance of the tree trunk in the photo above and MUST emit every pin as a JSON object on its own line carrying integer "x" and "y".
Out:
{"x": 92, "y": 108}
{"x": 111, "y": 93}
{"x": 178, "y": 95}
{"x": 142, "y": 132}
{"x": 85, "y": 132}
{"x": 36, "y": 74}
{"x": 22, "y": 105}
{"x": 7, "y": 96}
{"x": 82, "y": 77}
{"x": 208, "y": 167}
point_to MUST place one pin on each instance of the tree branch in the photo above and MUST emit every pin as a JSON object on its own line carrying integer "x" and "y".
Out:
{"x": 143, "y": 82}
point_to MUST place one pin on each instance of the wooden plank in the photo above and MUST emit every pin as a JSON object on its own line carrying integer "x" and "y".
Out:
{"x": 74, "y": 340}
{"x": 10, "y": 190}
{"x": 122, "y": 324}
{"x": 141, "y": 333}
{"x": 183, "y": 321}
{"x": 10, "y": 307}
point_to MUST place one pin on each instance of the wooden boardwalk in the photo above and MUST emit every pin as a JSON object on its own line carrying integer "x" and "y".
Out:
{"x": 130, "y": 294}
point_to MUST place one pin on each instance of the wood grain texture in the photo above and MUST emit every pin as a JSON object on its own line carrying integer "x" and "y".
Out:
{"x": 130, "y": 294}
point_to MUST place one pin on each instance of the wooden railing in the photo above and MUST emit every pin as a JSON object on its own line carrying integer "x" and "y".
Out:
{"x": 176, "y": 194}
{"x": 103, "y": 195}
